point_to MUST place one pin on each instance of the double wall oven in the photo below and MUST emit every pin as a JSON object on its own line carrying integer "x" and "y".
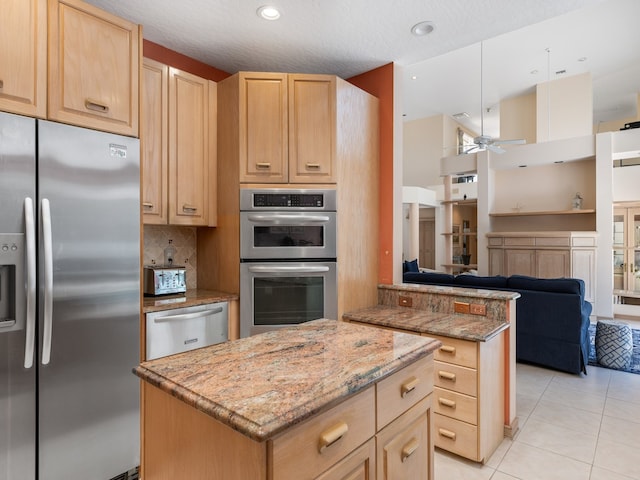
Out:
{"x": 287, "y": 258}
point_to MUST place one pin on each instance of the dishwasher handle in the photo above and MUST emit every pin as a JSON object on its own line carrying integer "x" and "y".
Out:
{"x": 188, "y": 316}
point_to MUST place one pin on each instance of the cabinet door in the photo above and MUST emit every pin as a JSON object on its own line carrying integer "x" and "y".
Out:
{"x": 496, "y": 261}
{"x": 520, "y": 262}
{"x": 23, "y": 57}
{"x": 359, "y": 465}
{"x": 405, "y": 448}
{"x": 154, "y": 142}
{"x": 93, "y": 68}
{"x": 312, "y": 128}
{"x": 553, "y": 263}
{"x": 188, "y": 148}
{"x": 583, "y": 265}
{"x": 263, "y": 133}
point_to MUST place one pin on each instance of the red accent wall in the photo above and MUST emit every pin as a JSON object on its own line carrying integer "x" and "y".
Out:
{"x": 379, "y": 82}
{"x": 170, "y": 57}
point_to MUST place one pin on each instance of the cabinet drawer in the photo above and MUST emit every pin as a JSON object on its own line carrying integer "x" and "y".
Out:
{"x": 552, "y": 241}
{"x": 399, "y": 392}
{"x": 519, "y": 241}
{"x": 311, "y": 447}
{"x": 455, "y": 405}
{"x": 455, "y": 436}
{"x": 458, "y": 379}
{"x": 456, "y": 351}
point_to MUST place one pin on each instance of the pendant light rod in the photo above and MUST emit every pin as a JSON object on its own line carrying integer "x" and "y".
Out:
{"x": 481, "y": 89}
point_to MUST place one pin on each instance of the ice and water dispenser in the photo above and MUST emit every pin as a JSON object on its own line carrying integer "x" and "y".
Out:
{"x": 12, "y": 282}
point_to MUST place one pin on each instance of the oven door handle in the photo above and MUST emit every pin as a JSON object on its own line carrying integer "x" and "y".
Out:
{"x": 288, "y": 269}
{"x": 279, "y": 217}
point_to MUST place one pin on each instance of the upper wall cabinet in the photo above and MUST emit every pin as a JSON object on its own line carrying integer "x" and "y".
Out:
{"x": 286, "y": 126}
{"x": 23, "y": 57}
{"x": 94, "y": 60}
{"x": 178, "y": 138}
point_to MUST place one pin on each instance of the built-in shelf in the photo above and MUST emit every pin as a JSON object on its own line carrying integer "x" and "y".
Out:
{"x": 472, "y": 201}
{"x": 460, "y": 265}
{"x": 547, "y": 212}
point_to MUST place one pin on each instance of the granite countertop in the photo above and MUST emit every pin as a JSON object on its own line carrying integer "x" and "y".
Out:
{"x": 461, "y": 291}
{"x": 264, "y": 384}
{"x": 191, "y": 298}
{"x": 456, "y": 325}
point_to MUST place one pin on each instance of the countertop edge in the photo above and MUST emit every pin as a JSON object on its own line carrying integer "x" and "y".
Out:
{"x": 191, "y": 298}
{"x": 303, "y": 412}
{"x": 462, "y": 291}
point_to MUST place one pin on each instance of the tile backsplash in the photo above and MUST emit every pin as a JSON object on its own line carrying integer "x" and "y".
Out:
{"x": 184, "y": 240}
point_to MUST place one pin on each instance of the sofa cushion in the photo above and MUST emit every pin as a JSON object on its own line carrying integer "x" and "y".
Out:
{"x": 554, "y": 285}
{"x": 410, "y": 266}
{"x": 428, "y": 278}
{"x": 497, "y": 281}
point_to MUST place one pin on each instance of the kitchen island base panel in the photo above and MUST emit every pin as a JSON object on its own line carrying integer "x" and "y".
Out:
{"x": 182, "y": 442}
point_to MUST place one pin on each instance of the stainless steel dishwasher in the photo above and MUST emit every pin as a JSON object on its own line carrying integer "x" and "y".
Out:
{"x": 182, "y": 329}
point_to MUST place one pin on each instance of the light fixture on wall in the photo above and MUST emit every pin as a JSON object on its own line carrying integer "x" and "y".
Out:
{"x": 268, "y": 12}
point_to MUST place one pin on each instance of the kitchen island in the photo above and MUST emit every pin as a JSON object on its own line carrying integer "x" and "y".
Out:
{"x": 473, "y": 382}
{"x": 325, "y": 399}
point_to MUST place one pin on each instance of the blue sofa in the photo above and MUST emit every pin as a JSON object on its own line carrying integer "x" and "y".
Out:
{"x": 552, "y": 316}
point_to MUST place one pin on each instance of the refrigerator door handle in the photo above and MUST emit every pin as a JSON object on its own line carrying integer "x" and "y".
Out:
{"x": 31, "y": 282}
{"x": 48, "y": 282}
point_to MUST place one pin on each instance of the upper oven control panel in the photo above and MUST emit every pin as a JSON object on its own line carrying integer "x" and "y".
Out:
{"x": 287, "y": 199}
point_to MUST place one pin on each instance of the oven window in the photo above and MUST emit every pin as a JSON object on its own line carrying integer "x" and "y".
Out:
{"x": 287, "y": 300}
{"x": 289, "y": 236}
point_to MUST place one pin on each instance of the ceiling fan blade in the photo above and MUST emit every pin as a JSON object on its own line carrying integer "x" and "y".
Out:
{"x": 495, "y": 149}
{"x": 519, "y": 141}
{"x": 471, "y": 149}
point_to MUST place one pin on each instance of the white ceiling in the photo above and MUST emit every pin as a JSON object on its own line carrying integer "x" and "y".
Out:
{"x": 348, "y": 37}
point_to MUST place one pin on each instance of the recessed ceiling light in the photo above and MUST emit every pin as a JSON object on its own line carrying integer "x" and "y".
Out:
{"x": 423, "y": 28}
{"x": 268, "y": 12}
{"x": 534, "y": 72}
{"x": 414, "y": 77}
{"x": 582, "y": 59}
{"x": 461, "y": 115}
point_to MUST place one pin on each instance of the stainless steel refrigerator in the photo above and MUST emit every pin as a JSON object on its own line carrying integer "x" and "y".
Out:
{"x": 69, "y": 302}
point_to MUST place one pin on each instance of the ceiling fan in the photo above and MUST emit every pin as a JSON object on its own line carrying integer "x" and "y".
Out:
{"x": 482, "y": 141}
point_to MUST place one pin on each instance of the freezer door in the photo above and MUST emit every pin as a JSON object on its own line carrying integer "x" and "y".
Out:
{"x": 88, "y": 397}
{"x": 17, "y": 383}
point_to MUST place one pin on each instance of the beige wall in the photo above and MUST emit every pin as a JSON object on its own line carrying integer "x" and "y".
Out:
{"x": 545, "y": 187}
{"x": 518, "y": 118}
{"x": 564, "y": 108}
{"x": 422, "y": 150}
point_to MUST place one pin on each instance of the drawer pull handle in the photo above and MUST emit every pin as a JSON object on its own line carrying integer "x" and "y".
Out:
{"x": 408, "y": 386}
{"x": 1, "y": 84}
{"x": 445, "y": 402}
{"x": 313, "y": 165}
{"x": 96, "y": 106}
{"x": 447, "y": 433}
{"x": 448, "y": 349}
{"x": 263, "y": 164}
{"x": 147, "y": 204}
{"x": 189, "y": 209}
{"x": 332, "y": 435}
{"x": 447, "y": 375}
{"x": 411, "y": 446}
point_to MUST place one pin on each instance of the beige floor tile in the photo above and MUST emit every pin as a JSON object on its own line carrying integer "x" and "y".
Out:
{"x": 618, "y": 458}
{"x": 619, "y": 430}
{"x": 449, "y": 466}
{"x": 561, "y": 440}
{"x": 531, "y": 463}
{"x": 500, "y": 452}
{"x": 598, "y": 473}
{"x": 525, "y": 404}
{"x": 590, "y": 401}
{"x": 567, "y": 416}
{"x": 621, "y": 409}
{"x": 502, "y": 476}
{"x": 596, "y": 381}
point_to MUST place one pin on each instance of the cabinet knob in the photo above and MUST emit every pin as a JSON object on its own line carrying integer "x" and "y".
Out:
{"x": 313, "y": 166}
{"x": 408, "y": 386}
{"x": 1, "y": 84}
{"x": 446, "y": 402}
{"x": 96, "y": 106}
{"x": 331, "y": 435}
{"x": 448, "y": 349}
{"x": 263, "y": 165}
{"x": 147, "y": 205}
{"x": 447, "y": 433}
{"x": 447, "y": 375}
{"x": 190, "y": 209}
{"x": 410, "y": 447}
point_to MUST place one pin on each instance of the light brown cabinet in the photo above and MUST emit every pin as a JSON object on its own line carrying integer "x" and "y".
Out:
{"x": 178, "y": 147}
{"x": 286, "y": 127}
{"x": 94, "y": 60}
{"x": 468, "y": 413}
{"x": 545, "y": 255}
{"x": 23, "y": 57}
{"x": 349, "y": 441}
